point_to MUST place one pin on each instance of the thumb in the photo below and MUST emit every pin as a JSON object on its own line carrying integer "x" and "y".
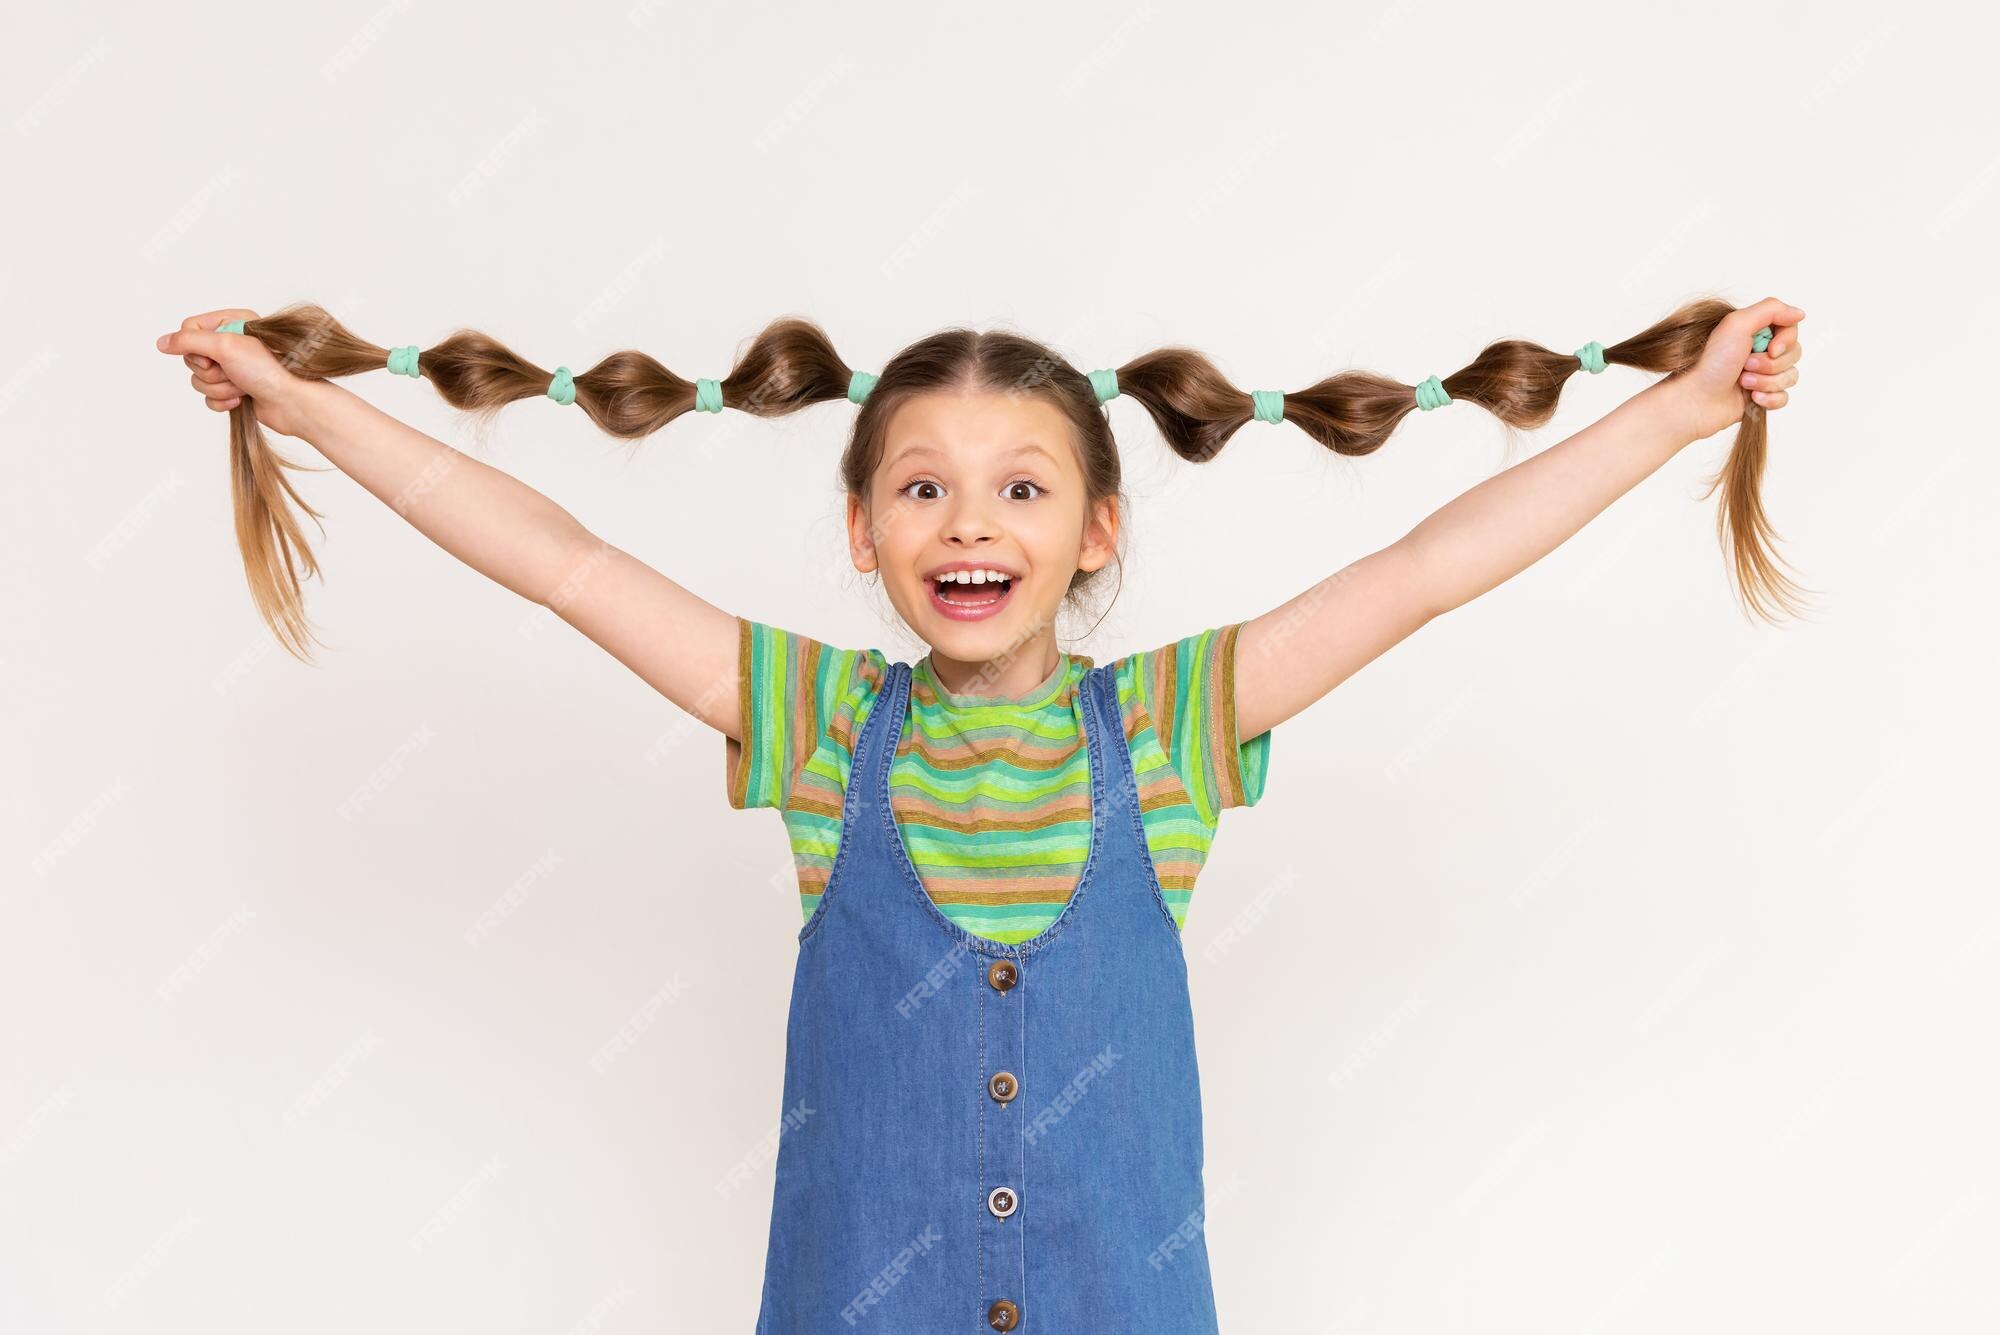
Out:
{"x": 206, "y": 342}
{"x": 1769, "y": 311}
{"x": 207, "y": 338}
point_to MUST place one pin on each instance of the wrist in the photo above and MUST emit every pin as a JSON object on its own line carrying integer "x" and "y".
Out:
{"x": 1678, "y": 413}
{"x": 307, "y": 403}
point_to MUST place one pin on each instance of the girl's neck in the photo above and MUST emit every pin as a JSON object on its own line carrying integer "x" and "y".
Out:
{"x": 1014, "y": 676}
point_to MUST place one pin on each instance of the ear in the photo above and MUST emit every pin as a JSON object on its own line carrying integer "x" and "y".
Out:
{"x": 1100, "y": 536}
{"x": 860, "y": 538}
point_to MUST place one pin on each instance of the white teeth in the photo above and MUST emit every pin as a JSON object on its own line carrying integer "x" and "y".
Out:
{"x": 971, "y": 577}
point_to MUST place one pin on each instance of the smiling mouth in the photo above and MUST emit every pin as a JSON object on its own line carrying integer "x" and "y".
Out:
{"x": 971, "y": 602}
{"x": 987, "y": 594}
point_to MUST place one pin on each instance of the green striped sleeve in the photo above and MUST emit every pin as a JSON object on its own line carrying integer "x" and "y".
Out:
{"x": 789, "y": 688}
{"x": 1190, "y": 692}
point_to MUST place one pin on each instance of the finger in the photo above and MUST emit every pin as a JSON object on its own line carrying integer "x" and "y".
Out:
{"x": 208, "y": 371}
{"x": 197, "y": 332}
{"x": 1770, "y": 398}
{"x": 1784, "y": 337}
{"x": 1751, "y": 380}
{"x": 1765, "y": 362}
{"x": 1770, "y": 311}
{"x": 222, "y": 405}
{"x": 210, "y": 319}
{"x": 216, "y": 389}
{"x": 205, "y": 342}
{"x": 198, "y": 363}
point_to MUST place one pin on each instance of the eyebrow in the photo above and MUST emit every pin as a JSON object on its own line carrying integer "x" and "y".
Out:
{"x": 1029, "y": 447}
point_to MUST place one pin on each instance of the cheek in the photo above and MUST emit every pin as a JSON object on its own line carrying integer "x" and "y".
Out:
{"x": 902, "y": 541}
{"x": 1052, "y": 536}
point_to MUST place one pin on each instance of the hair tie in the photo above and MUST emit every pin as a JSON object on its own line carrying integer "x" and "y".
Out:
{"x": 708, "y": 396}
{"x": 563, "y": 388}
{"x": 1267, "y": 405}
{"x": 1431, "y": 394}
{"x": 1591, "y": 355}
{"x": 1761, "y": 339}
{"x": 860, "y": 385}
{"x": 1104, "y": 384}
{"x": 403, "y": 361}
{"x": 236, "y": 327}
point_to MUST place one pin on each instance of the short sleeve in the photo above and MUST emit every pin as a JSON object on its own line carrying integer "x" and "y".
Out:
{"x": 791, "y": 690}
{"x": 1189, "y": 690}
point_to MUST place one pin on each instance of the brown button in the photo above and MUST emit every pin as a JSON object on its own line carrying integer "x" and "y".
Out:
{"x": 1002, "y": 1086}
{"x": 1003, "y": 1315}
{"x": 1002, "y": 974}
{"x": 1002, "y": 1202}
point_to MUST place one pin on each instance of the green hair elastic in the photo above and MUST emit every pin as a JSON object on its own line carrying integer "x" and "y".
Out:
{"x": 1267, "y": 405}
{"x": 1104, "y": 384}
{"x": 1761, "y": 339}
{"x": 403, "y": 361}
{"x": 230, "y": 327}
{"x": 1591, "y": 355}
{"x": 1431, "y": 394}
{"x": 708, "y": 396}
{"x": 860, "y": 385}
{"x": 563, "y": 388}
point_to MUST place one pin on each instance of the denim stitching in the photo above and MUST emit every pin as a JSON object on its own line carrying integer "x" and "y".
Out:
{"x": 1151, "y": 870}
{"x": 978, "y": 1224}
{"x": 861, "y": 744}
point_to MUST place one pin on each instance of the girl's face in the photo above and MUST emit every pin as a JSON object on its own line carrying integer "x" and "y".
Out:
{"x": 981, "y": 481}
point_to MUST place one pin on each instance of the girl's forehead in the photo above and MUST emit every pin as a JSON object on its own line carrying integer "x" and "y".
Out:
{"x": 974, "y": 429}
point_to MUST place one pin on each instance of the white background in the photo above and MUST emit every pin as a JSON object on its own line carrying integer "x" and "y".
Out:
{"x": 1659, "y": 949}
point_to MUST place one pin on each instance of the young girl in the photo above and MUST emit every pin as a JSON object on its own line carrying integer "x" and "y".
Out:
{"x": 992, "y": 1109}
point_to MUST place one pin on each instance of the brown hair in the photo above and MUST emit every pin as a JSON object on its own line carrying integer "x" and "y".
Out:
{"x": 792, "y": 363}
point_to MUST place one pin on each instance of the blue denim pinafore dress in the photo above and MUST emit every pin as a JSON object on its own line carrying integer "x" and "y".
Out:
{"x": 980, "y": 1136}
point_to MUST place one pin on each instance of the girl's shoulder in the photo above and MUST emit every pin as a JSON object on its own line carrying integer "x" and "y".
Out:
{"x": 795, "y": 692}
{"x": 1181, "y": 696}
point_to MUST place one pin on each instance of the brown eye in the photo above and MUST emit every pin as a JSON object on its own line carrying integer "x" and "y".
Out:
{"x": 1024, "y": 482}
{"x": 924, "y": 482}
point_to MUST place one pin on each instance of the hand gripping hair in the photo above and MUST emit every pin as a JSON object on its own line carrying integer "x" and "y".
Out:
{"x": 792, "y": 364}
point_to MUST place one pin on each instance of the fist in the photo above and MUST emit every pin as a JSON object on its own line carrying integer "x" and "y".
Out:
{"x": 230, "y": 368}
{"x": 1730, "y": 376}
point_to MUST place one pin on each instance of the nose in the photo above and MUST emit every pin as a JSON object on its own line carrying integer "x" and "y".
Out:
{"x": 970, "y": 524}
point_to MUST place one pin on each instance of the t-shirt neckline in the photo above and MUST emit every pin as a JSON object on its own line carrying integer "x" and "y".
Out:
{"x": 1034, "y": 698}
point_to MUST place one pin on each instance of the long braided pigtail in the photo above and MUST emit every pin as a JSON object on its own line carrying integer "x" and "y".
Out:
{"x": 790, "y": 364}
{"x": 1353, "y": 412}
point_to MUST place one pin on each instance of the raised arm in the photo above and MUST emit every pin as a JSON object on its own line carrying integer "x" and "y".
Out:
{"x": 677, "y": 642}
{"x": 1297, "y": 652}
{"x": 499, "y": 526}
{"x": 681, "y": 645}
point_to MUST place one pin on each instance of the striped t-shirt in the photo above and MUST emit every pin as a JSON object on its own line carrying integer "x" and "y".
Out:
{"x": 991, "y": 794}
